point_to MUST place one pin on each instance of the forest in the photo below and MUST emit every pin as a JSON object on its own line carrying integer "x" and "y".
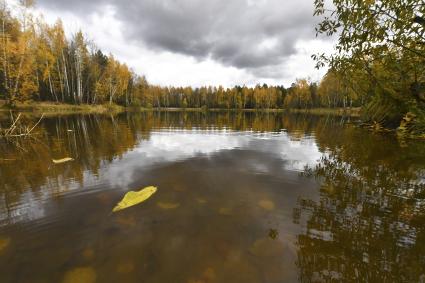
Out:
{"x": 39, "y": 63}
{"x": 378, "y": 65}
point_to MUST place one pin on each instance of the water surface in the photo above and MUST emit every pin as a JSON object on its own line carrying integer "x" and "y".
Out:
{"x": 242, "y": 197}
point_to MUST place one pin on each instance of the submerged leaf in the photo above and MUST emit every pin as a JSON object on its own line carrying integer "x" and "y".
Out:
{"x": 227, "y": 211}
{"x": 133, "y": 198}
{"x": 209, "y": 274}
{"x": 168, "y": 205}
{"x": 125, "y": 267}
{"x": 88, "y": 253}
{"x": 80, "y": 275}
{"x": 179, "y": 188}
{"x": 126, "y": 221}
{"x": 266, "y": 204}
{"x": 4, "y": 243}
{"x": 63, "y": 160}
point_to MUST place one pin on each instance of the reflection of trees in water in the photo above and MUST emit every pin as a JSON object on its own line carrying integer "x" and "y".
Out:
{"x": 237, "y": 121}
{"x": 369, "y": 223}
{"x": 91, "y": 140}
{"x": 96, "y": 140}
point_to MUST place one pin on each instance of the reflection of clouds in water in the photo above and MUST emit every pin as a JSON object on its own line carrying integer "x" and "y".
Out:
{"x": 170, "y": 146}
{"x": 32, "y": 205}
{"x": 184, "y": 144}
{"x": 300, "y": 153}
{"x": 294, "y": 154}
{"x": 28, "y": 208}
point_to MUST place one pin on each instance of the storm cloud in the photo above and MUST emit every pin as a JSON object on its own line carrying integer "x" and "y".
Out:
{"x": 254, "y": 35}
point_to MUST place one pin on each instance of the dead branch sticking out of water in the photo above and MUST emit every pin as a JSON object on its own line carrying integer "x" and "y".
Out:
{"x": 18, "y": 129}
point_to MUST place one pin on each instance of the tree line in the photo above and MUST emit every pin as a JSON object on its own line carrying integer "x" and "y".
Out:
{"x": 39, "y": 63}
{"x": 379, "y": 64}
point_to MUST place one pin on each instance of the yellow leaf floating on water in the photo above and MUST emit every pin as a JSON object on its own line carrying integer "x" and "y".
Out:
{"x": 63, "y": 160}
{"x": 168, "y": 205}
{"x": 80, "y": 275}
{"x": 4, "y": 243}
{"x": 133, "y": 198}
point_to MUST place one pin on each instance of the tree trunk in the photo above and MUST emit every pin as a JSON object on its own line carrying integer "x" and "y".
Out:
{"x": 52, "y": 90}
{"x": 6, "y": 79}
{"x": 60, "y": 80}
{"x": 65, "y": 75}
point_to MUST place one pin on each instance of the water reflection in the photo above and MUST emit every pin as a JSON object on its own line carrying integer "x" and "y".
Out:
{"x": 243, "y": 197}
{"x": 109, "y": 150}
{"x": 369, "y": 223}
{"x": 167, "y": 146}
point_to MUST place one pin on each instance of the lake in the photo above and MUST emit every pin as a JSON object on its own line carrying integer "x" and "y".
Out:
{"x": 242, "y": 197}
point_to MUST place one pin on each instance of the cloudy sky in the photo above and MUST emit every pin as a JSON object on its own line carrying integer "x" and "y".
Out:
{"x": 199, "y": 42}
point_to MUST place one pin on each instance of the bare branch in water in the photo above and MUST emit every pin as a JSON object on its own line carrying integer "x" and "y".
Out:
{"x": 17, "y": 129}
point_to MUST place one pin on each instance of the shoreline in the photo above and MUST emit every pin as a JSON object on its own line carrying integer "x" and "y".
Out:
{"x": 48, "y": 109}
{"x": 63, "y": 109}
{"x": 352, "y": 112}
{"x": 67, "y": 109}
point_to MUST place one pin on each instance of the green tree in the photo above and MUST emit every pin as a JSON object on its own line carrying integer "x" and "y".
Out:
{"x": 383, "y": 43}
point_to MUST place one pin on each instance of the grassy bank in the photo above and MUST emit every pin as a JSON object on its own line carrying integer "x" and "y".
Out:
{"x": 353, "y": 112}
{"x": 63, "y": 109}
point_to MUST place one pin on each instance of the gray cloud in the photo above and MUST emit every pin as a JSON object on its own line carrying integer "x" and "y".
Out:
{"x": 255, "y": 35}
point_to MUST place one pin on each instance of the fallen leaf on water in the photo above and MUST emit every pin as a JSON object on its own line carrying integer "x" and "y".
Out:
{"x": 4, "y": 243}
{"x": 133, "y": 198}
{"x": 201, "y": 201}
{"x": 63, "y": 160}
{"x": 168, "y": 205}
{"x": 80, "y": 275}
{"x": 266, "y": 204}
